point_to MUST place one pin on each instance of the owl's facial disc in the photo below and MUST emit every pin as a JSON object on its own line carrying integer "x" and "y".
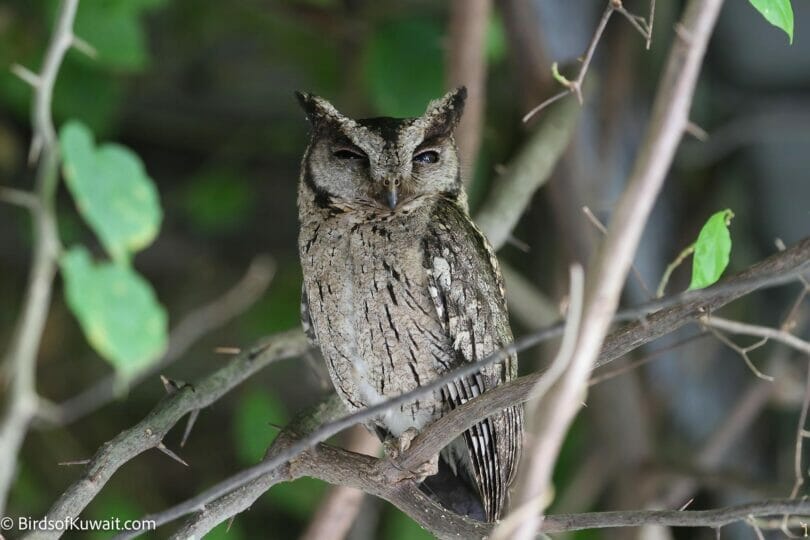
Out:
{"x": 382, "y": 162}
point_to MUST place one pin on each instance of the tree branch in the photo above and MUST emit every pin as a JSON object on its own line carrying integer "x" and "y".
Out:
{"x": 793, "y": 260}
{"x": 149, "y": 432}
{"x": 736, "y": 327}
{"x": 20, "y": 359}
{"x": 467, "y": 65}
{"x": 529, "y": 170}
{"x": 666, "y": 126}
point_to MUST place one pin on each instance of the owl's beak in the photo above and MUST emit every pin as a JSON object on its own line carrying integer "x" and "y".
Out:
{"x": 391, "y": 196}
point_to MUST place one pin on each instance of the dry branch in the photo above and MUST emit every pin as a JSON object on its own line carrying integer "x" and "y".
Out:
{"x": 21, "y": 357}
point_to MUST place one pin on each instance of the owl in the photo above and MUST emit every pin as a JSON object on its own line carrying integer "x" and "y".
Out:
{"x": 400, "y": 286}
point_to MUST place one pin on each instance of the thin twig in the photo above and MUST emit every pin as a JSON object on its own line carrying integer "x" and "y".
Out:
{"x": 575, "y": 86}
{"x": 19, "y": 197}
{"x": 736, "y": 327}
{"x": 20, "y": 358}
{"x": 601, "y": 227}
{"x": 798, "y": 470}
{"x": 662, "y": 285}
{"x": 743, "y": 352}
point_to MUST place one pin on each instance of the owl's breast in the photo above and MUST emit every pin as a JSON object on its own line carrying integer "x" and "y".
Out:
{"x": 373, "y": 315}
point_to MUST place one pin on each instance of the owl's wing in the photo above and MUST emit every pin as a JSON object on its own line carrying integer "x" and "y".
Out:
{"x": 467, "y": 290}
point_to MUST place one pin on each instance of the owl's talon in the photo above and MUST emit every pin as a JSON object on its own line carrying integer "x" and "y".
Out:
{"x": 395, "y": 447}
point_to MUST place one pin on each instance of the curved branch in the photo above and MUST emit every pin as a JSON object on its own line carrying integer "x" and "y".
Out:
{"x": 21, "y": 357}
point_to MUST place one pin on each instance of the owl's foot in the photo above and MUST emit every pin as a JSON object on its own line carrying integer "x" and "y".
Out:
{"x": 395, "y": 447}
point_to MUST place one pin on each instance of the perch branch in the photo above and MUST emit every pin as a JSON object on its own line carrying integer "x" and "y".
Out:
{"x": 339, "y": 508}
{"x": 20, "y": 359}
{"x": 790, "y": 262}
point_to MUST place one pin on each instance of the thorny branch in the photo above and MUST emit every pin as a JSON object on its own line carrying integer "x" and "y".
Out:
{"x": 149, "y": 433}
{"x": 20, "y": 359}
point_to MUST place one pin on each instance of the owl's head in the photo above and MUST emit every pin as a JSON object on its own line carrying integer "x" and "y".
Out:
{"x": 382, "y": 162}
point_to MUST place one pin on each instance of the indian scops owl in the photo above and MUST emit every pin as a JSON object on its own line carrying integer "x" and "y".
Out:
{"x": 399, "y": 284}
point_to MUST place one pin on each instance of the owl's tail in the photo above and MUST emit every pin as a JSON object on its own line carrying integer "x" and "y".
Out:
{"x": 450, "y": 488}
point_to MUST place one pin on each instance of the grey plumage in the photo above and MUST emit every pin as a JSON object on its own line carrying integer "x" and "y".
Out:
{"x": 399, "y": 284}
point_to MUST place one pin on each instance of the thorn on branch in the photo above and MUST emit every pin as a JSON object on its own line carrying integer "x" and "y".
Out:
{"x": 27, "y": 76}
{"x": 83, "y": 47}
{"x": 192, "y": 419}
{"x": 697, "y": 132}
{"x": 172, "y": 387}
{"x": 162, "y": 447}
{"x": 227, "y": 350}
{"x": 74, "y": 462}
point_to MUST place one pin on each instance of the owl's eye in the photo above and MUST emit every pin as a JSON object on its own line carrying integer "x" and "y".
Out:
{"x": 348, "y": 153}
{"x": 428, "y": 156}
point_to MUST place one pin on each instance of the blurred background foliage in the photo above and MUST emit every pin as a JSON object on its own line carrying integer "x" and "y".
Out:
{"x": 202, "y": 91}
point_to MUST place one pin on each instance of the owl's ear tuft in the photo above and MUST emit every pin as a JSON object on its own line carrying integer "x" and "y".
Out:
{"x": 318, "y": 110}
{"x": 444, "y": 114}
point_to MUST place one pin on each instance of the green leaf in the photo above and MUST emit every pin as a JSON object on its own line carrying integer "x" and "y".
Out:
{"x": 112, "y": 191}
{"x": 404, "y": 66}
{"x": 712, "y": 250}
{"x": 777, "y": 12}
{"x": 117, "y": 311}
